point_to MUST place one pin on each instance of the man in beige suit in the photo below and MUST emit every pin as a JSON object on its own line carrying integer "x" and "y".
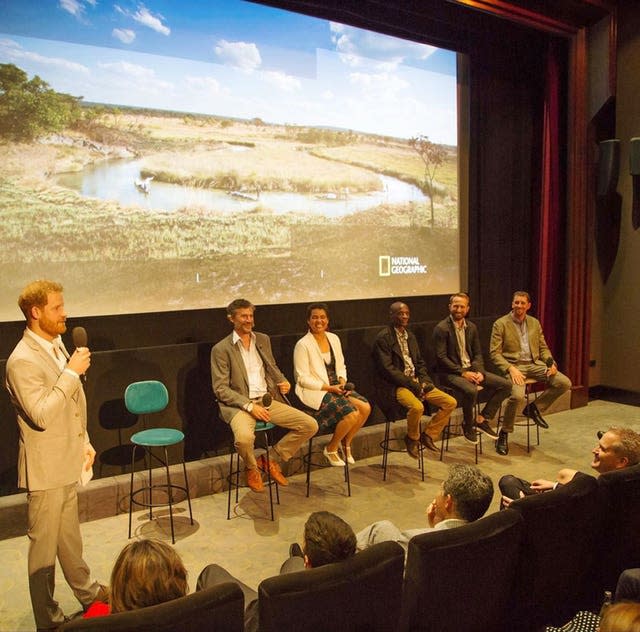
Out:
{"x": 53, "y": 448}
{"x": 519, "y": 351}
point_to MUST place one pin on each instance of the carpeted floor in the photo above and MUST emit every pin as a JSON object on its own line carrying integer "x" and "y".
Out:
{"x": 252, "y": 547}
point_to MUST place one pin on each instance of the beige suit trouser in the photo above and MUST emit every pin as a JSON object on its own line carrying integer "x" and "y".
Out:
{"x": 54, "y": 531}
{"x": 301, "y": 427}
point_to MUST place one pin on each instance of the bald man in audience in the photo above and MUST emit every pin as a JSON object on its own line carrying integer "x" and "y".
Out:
{"x": 617, "y": 448}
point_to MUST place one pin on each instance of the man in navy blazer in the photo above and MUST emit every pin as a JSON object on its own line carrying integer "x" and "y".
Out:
{"x": 243, "y": 370}
{"x": 461, "y": 366}
{"x": 53, "y": 448}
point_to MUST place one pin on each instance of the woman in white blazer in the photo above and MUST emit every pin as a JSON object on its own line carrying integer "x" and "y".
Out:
{"x": 320, "y": 378}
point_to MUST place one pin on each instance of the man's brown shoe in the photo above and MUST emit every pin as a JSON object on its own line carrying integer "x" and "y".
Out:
{"x": 427, "y": 441}
{"x": 254, "y": 480}
{"x": 274, "y": 470}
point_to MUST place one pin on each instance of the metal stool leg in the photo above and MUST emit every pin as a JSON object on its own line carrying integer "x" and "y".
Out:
{"x": 133, "y": 462}
{"x": 309, "y": 453}
{"x": 169, "y": 494}
{"x": 385, "y": 448}
{"x": 186, "y": 486}
{"x": 270, "y": 483}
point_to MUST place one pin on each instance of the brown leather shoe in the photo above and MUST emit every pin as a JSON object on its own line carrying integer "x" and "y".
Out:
{"x": 413, "y": 447}
{"x": 274, "y": 470}
{"x": 254, "y": 480}
{"x": 427, "y": 442}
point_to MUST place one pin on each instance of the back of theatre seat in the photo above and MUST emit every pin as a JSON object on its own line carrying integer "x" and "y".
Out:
{"x": 620, "y": 507}
{"x": 560, "y": 544}
{"x": 459, "y": 580}
{"x": 361, "y": 594}
{"x": 218, "y": 609}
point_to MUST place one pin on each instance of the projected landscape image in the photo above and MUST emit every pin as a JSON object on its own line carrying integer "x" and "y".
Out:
{"x": 160, "y": 158}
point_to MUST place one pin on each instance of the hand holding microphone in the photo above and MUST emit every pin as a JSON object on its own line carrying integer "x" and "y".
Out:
{"x": 81, "y": 358}
{"x": 552, "y": 369}
{"x": 347, "y": 387}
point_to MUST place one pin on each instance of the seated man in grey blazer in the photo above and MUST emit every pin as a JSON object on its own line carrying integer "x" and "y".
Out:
{"x": 519, "y": 351}
{"x": 243, "y": 371}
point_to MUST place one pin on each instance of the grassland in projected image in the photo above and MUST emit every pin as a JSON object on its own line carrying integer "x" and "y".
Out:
{"x": 199, "y": 256}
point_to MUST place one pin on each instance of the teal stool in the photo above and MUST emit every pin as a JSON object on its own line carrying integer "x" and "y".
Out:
{"x": 145, "y": 398}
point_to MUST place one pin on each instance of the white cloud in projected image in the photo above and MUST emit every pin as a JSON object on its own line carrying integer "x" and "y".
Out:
{"x": 371, "y": 95}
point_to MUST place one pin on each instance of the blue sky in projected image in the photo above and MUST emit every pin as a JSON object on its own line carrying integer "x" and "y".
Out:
{"x": 233, "y": 58}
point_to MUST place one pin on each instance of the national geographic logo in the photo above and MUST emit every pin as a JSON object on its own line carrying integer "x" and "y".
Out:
{"x": 388, "y": 266}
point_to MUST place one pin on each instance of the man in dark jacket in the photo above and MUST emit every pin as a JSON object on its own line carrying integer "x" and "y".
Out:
{"x": 461, "y": 366}
{"x": 403, "y": 379}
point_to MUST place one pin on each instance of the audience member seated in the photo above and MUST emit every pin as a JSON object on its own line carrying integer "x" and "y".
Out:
{"x": 460, "y": 365}
{"x": 617, "y": 448}
{"x": 627, "y": 590}
{"x": 463, "y": 497}
{"x": 326, "y": 539}
{"x": 621, "y": 617}
{"x": 146, "y": 573}
{"x": 403, "y": 379}
{"x": 321, "y": 376}
{"x": 628, "y": 586}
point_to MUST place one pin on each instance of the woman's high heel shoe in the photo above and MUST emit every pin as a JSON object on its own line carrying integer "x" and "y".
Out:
{"x": 333, "y": 458}
{"x": 346, "y": 453}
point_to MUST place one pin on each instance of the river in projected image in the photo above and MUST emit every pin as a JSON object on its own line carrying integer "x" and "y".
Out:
{"x": 116, "y": 180}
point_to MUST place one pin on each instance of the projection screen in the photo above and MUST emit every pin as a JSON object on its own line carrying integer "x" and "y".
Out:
{"x": 170, "y": 155}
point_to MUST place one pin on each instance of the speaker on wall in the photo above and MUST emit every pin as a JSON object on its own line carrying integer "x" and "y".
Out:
{"x": 634, "y": 170}
{"x": 608, "y": 166}
{"x": 608, "y": 206}
{"x": 634, "y": 156}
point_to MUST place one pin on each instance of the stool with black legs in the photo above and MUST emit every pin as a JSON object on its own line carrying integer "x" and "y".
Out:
{"x": 262, "y": 430}
{"x": 144, "y": 398}
{"x": 448, "y": 430}
{"x": 309, "y": 462}
{"x": 391, "y": 414}
{"x": 529, "y": 393}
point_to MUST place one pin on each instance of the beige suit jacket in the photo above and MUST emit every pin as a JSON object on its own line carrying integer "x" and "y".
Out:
{"x": 52, "y": 418}
{"x": 505, "y": 343}
{"x": 229, "y": 375}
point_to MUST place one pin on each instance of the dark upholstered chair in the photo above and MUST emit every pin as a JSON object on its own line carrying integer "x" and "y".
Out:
{"x": 219, "y": 609}
{"x": 459, "y": 579}
{"x": 560, "y": 544}
{"x": 361, "y": 594}
{"x": 620, "y": 510}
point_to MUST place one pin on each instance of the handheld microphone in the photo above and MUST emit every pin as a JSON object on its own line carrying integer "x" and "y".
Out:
{"x": 549, "y": 362}
{"x": 79, "y": 336}
{"x": 267, "y": 400}
{"x": 80, "y": 339}
{"x": 348, "y": 386}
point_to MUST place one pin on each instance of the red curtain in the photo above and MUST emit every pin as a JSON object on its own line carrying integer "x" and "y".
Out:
{"x": 551, "y": 236}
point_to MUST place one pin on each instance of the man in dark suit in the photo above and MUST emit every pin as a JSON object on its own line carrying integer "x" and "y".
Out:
{"x": 243, "y": 370}
{"x": 53, "y": 448}
{"x": 461, "y": 366}
{"x": 403, "y": 379}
